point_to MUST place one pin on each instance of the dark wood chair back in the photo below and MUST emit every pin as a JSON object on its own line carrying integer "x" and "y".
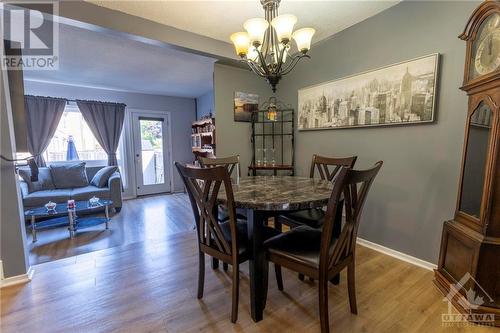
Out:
{"x": 230, "y": 163}
{"x": 354, "y": 187}
{"x": 203, "y": 185}
{"x": 329, "y": 167}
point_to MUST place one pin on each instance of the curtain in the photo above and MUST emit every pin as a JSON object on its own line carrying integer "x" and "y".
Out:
{"x": 106, "y": 122}
{"x": 42, "y": 117}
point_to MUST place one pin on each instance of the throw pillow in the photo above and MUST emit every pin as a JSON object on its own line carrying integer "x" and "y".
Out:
{"x": 69, "y": 175}
{"x": 44, "y": 179}
{"x": 101, "y": 178}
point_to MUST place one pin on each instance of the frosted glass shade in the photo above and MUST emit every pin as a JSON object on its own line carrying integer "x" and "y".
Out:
{"x": 283, "y": 25}
{"x": 303, "y": 38}
{"x": 256, "y": 28}
{"x": 241, "y": 43}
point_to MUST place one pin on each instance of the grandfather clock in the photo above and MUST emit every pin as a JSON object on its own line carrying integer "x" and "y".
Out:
{"x": 470, "y": 247}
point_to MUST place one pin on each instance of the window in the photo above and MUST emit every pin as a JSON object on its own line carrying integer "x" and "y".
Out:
{"x": 72, "y": 127}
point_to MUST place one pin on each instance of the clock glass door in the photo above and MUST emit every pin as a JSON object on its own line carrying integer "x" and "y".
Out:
{"x": 475, "y": 160}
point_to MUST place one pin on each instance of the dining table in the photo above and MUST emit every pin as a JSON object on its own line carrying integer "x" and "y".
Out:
{"x": 267, "y": 196}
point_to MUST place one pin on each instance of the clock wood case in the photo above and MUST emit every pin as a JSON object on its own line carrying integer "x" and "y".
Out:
{"x": 469, "y": 260}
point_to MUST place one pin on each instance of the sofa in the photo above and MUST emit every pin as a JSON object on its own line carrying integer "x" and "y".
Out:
{"x": 58, "y": 185}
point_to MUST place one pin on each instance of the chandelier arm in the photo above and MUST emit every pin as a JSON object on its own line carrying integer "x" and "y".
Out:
{"x": 255, "y": 68}
{"x": 263, "y": 63}
{"x": 294, "y": 63}
{"x": 280, "y": 59}
{"x": 252, "y": 66}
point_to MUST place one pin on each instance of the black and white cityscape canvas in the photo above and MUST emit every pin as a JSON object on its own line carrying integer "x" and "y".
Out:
{"x": 403, "y": 93}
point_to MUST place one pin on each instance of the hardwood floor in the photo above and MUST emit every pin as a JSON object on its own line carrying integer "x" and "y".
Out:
{"x": 152, "y": 217}
{"x": 150, "y": 286}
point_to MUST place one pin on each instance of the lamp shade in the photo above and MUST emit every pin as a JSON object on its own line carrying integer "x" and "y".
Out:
{"x": 283, "y": 25}
{"x": 256, "y": 28}
{"x": 241, "y": 43}
{"x": 303, "y": 38}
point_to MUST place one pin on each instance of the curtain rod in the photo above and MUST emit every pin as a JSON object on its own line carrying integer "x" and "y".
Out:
{"x": 68, "y": 100}
{"x": 82, "y": 100}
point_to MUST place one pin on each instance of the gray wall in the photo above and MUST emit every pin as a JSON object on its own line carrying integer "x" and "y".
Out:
{"x": 12, "y": 231}
{"x": 205, "y": 105}
{"x": 233, "y": 138}
{"x": 182, "y": 110}
{"x": 417, "y": 186}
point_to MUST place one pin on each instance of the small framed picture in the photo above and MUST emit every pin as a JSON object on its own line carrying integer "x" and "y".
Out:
{"x": 244, "y": 105}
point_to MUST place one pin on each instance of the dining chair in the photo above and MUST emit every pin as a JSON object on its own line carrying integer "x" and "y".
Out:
{"x": 316, "y": 252}
{"x": 230, "y": 163}
{"x": 328, "y": 168}
{"x": 226, "y": 241}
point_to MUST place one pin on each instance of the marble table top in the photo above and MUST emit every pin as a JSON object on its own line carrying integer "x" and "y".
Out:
{"x": 273, "y": 193}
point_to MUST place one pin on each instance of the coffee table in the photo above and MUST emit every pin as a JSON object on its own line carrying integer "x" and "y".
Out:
{"x": 62, "y": 216}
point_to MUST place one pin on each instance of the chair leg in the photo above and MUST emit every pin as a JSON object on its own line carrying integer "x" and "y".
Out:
{"x": 323, "y": 306}
{"x": 224, "y": 266}
{"x": 215, "y": 263}
{"x": 351, "y": 287}
{"x": 279, "y": 277}
{"x": 265, "y": 279}
{"x": 301, "y": 277}
{"x": 236, "y": 292}
{"x": 201, "y": 274}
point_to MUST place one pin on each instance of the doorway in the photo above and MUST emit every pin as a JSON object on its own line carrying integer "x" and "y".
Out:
{"x": 151, "y": 148}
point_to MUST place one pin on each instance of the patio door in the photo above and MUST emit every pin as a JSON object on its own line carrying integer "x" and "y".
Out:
{"x": 151, "y": 153}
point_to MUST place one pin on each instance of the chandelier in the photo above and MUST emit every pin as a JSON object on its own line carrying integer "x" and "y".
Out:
{"x": 265, "y": 46}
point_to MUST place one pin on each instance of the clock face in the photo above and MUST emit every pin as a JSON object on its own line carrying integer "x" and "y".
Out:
{"x": 488, "y": 53}
{"x": 486, "y": 47}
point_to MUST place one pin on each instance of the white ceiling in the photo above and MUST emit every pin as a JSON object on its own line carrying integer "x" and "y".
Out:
{"x": 104, "y": 60}
{"x": 101, "y": 60}
{"x": 218, "y": 19}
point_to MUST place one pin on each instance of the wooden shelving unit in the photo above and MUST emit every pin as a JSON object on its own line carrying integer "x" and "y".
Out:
{"x": 203, "y": 137}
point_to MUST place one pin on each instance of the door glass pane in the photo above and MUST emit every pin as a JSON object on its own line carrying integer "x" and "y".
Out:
{"x": 475, "y": 160}
{"x": 152, "y": 151}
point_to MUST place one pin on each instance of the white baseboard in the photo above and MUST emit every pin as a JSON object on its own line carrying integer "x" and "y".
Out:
{"x": 18, "y": 279}
{"x": 397, "y": 254}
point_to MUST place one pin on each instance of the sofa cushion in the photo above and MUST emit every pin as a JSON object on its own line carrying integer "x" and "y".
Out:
{"x": 40, "y": 198}
{"x": 44, "y": 179}
{"x": 87, "y": 192}
{"x": 100, "y": 179}
{"x": 69, "y": 175}
{"x": 92, "y": 170}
